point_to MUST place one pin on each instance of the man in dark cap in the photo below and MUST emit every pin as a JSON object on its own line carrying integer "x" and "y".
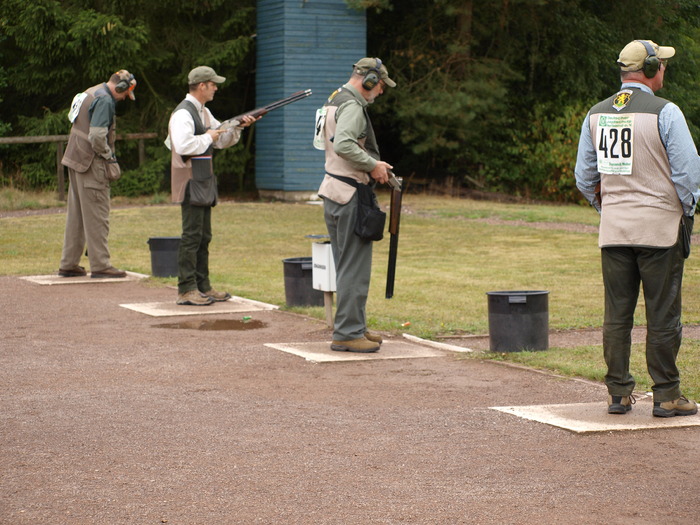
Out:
{"x": 352, "y": 159}
{"x": 638, "y": 166}
{"x": 193, "y": 135}
{"x": 92, "y": 165}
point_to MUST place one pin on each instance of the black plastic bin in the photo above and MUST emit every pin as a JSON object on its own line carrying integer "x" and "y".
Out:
{"x": 518, "y": 320}
{"x": 164, "y": 256}
{"x": 298, "y": 283}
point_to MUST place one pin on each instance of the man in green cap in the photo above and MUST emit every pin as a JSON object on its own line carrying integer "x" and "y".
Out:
{"x": 193, "y": 135}
{"x": 352, "y": 159}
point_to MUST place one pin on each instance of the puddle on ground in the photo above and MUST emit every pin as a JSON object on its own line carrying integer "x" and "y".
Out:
{"x": 216, "y": 324}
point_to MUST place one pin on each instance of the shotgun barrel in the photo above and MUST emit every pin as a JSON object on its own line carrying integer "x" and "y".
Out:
{"x": 259, "y": 112}
{"x": 394, "y": 220}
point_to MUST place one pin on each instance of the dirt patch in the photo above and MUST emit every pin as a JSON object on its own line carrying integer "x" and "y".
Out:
{"x": 109, "y": 418}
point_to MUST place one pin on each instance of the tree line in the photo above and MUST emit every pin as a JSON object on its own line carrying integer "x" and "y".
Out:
{"x": 491, "y": 93}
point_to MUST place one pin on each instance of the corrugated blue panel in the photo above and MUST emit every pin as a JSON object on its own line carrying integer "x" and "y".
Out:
{"x": 301, "y": 44}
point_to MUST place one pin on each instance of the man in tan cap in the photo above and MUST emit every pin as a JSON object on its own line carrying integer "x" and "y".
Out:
{"x": 92, "y": 165}
{"x": 352, "y": 162}
{"x": 638, "y": 166}
{"x": 193, "y": 134}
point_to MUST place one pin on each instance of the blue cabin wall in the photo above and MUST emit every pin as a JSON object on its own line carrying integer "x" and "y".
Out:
{"x": 301, "y": 44}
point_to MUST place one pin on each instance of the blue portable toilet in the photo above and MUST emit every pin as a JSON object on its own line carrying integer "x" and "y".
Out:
{"x": 301, "y": 44}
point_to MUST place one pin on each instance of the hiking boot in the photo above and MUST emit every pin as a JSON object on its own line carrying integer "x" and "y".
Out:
{"x": 217, "y": 296}
{"x": 194, "y": 298}
{"x": 620, "y": 404}
{"x": 73, "y": 271}
{"x": 361, "y": 345}
{"x": 108, "y": 272}
{"x": 678, "y": 407}
{"x": 374, "y": 337}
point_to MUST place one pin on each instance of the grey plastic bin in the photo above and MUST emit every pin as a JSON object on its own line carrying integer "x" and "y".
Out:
{"x": 518, "y": 320}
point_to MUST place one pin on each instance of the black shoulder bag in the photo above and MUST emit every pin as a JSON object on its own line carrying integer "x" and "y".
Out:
{"x": 370, "y": 221}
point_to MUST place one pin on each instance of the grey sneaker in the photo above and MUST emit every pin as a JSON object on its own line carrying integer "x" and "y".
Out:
{"x": 194, "y": 298}
{"x": 217, "y": 296}
{"x": 678, "y": 407}
{"x": 620, "y": 404}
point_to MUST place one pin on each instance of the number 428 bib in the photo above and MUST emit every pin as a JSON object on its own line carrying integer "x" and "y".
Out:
{"x": 614, "y": 143}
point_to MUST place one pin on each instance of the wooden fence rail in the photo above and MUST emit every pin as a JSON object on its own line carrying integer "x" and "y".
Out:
{"x": 60, "y": 140}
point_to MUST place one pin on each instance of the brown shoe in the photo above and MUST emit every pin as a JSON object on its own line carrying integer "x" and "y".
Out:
{"x": 678, "y": 407}
{"x": 217, "y": 296}
{"x": 73, "y": 271}
{"x": 374, "y": 337}
{"x": 361, "y": 345}
{"x": 620, "y": 404}
{"x": 107, "y": 273}
{"x": 194, "y": 298}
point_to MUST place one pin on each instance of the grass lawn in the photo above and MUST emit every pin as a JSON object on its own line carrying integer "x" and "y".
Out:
{"x": 451, "y": 253}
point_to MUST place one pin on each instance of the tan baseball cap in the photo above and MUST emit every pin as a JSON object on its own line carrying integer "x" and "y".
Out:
{"x": 633, "y": 54}
{"x": 204, "y": 74}
{"x": 365, "y": 64}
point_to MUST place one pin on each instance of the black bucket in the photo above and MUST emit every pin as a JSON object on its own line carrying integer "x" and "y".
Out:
{"x": 298, "y": 283}
{"x": 518, "y": 320}
{"x": 164, "y": 256}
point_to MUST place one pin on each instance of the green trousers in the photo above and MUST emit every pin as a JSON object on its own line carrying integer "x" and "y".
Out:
{"x": 353, "y": 268}
{"x": 193, "y": 254}
{"x": 660, "y": 272}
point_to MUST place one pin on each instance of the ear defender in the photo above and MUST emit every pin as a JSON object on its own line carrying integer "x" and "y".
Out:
{"x": 652, "y": 64}
{"x": 373, "y": 76}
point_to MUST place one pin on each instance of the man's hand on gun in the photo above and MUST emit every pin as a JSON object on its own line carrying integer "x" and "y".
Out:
{"x": 381, "y": 171}
{"x": 245, "y": 121}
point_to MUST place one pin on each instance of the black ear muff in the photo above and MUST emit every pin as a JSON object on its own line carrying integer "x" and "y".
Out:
{"x": 373, "y": 76}
{"x": 652, "y": 64}
{"x": 124, "y": 84}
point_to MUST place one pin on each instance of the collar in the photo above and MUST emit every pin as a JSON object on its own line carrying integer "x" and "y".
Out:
{"x": 197, "y": 103}
{"x": 637, "y": 85}
{"x": 356, "y": 94}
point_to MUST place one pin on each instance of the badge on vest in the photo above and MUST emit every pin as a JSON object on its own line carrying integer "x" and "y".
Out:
{"x": 622, "y": 99}
{"x": 75, "y": 106}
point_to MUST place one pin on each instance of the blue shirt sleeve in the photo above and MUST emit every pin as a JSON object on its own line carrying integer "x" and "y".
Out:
{"x": 682, "y": 156}
{"x": 586, "y": 171}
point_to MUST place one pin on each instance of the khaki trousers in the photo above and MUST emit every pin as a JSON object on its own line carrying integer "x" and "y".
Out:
{"x": 87, "y": 219}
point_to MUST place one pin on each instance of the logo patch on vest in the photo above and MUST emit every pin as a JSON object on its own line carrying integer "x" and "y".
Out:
{"x": 622, "y": 99}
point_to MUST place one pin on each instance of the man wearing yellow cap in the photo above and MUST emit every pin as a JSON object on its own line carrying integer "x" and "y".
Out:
{"x": 638, "y": 166}
{"x": 352, "y": 161}
{"x": 92, "y": 165}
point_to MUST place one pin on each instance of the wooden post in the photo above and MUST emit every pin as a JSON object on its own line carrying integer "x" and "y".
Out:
{"x": 142, "y": 152}
{"x": 328, "y": 303}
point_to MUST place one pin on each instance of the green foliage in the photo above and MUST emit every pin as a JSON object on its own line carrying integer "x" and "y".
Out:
{"x": 490, "y": 93}
{"x": 150, "y": 178}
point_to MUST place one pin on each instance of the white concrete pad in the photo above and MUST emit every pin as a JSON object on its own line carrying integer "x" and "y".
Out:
{"x": 322, "y": 353}
{"x": 48, "y": 280}
{"x": 594, "y": 417}
{"x": 170, "y": 309}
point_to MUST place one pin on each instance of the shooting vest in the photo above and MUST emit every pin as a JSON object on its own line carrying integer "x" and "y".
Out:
{"x": 332, "y": 188}
{"x": 79, "y": 153}
{"x": 640, "y": 205}
{"x": 200, "y": 167}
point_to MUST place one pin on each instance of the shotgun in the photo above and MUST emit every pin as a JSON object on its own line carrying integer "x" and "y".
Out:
{"x": 394, "y": 220}
{"x": 259, "y": 112}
